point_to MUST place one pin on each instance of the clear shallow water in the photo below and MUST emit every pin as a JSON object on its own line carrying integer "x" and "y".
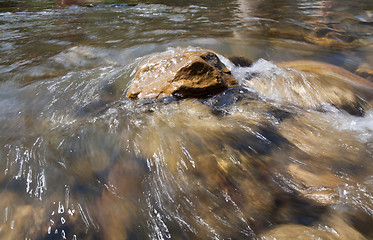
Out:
{"x": 79, "y": 160}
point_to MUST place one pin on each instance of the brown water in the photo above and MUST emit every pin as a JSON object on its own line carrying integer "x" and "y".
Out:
{"x": 286, "y": 154}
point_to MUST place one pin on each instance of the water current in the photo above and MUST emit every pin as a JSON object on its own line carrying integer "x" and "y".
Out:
{"x": 287, "y": 154}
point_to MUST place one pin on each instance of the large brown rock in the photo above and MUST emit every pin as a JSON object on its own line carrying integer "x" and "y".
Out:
{"x": 181, "y": 74}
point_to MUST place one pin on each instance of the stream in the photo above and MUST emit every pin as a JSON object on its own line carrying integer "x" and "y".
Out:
{"x": 286, "y": 154}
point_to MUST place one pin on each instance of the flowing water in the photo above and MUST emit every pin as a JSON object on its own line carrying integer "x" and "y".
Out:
{"x": 276, "y": 158}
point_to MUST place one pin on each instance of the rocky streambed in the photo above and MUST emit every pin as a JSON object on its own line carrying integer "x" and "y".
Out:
{"x": 195, "y": 146}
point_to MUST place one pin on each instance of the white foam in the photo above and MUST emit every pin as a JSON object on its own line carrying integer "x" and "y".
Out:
{"x": 362, "y": 126}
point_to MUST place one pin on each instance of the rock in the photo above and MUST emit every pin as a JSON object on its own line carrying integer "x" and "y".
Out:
{"x": 118, "y": 216}
{"x": 81, "y": 57}
{"x": 342, "y": 88}
{"x": 87, "y": 157}
{"x": 353, "y": 219}
{"x": 331, "y": 71}
{"x": 365, "y": 71}
{"x": 27, "y": 218}
{"x": 126, "y": 177}
{"x": 321, "y": 188}
{"x": 326, "y": 151}
{"x": 342, "y": 228}
{"x": 25, "y": 222}
{"x": 336, "y": 32}
{"x": 333, "y": 39}
{"x": 332, "y": 228}
{"x": 66, "y": 220}
{"x": 241, "y": 61}
{"x": 339, "y": 32}
{"x": 181, "y": 74}
{"x": 312, "y": 87}
{"x": 202, "y": 173}
{"x": 296, "y": 231}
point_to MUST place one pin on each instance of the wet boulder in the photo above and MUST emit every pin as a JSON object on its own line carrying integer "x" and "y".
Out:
{"x": 333, "y": 227}
{"x": 296, "y": 231}
{"x": 337, "y": 86}
{"x": 331, "y": 71}
{"x": 312, "y": 85}
{"x": 181, "y": 74}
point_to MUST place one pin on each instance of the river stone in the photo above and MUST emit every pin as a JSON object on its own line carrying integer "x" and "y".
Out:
{"x": 326, "y": 151}
{"x": 329, "y": 70}
{"x": 311, "y": 88}
{"x": 182, "y": 74}
{"x": 319, "y": 187}
{"x": 240, "y": 61}
{"x": 365, "y": 71}
{"x": 335, "y": 85}
{"x": 115, "y": 214}
{"x": 296, "y": 231}
{"x": 333, "y": 39}
{"x": 343, "y": 227}
{"x": 332, "y": 32}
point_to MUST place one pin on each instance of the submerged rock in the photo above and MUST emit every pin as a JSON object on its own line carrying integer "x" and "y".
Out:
{"x": 321, "y": 188}
{"x": 325, "y": 152}
{"x": 332, "y": 228}
{"x": 17, "y": 217}
{"x": 181, "y": 74}
{"x": 241, "y": 61}
{"x": 26, "y": 218}
{"x": 332, "y": 38}
{"x": 338, "y": 31}
{"x": 331, "y": 71}
{"x": 118, "y": 216}
{"x": 296, "y": 231}
{"x": 205, "y": 166}
{"x": 312, "y": 85}
{"x": 365, "y": 71}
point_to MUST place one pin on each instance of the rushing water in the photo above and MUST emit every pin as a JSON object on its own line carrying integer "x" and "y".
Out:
{"x": 273, "y": 158}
